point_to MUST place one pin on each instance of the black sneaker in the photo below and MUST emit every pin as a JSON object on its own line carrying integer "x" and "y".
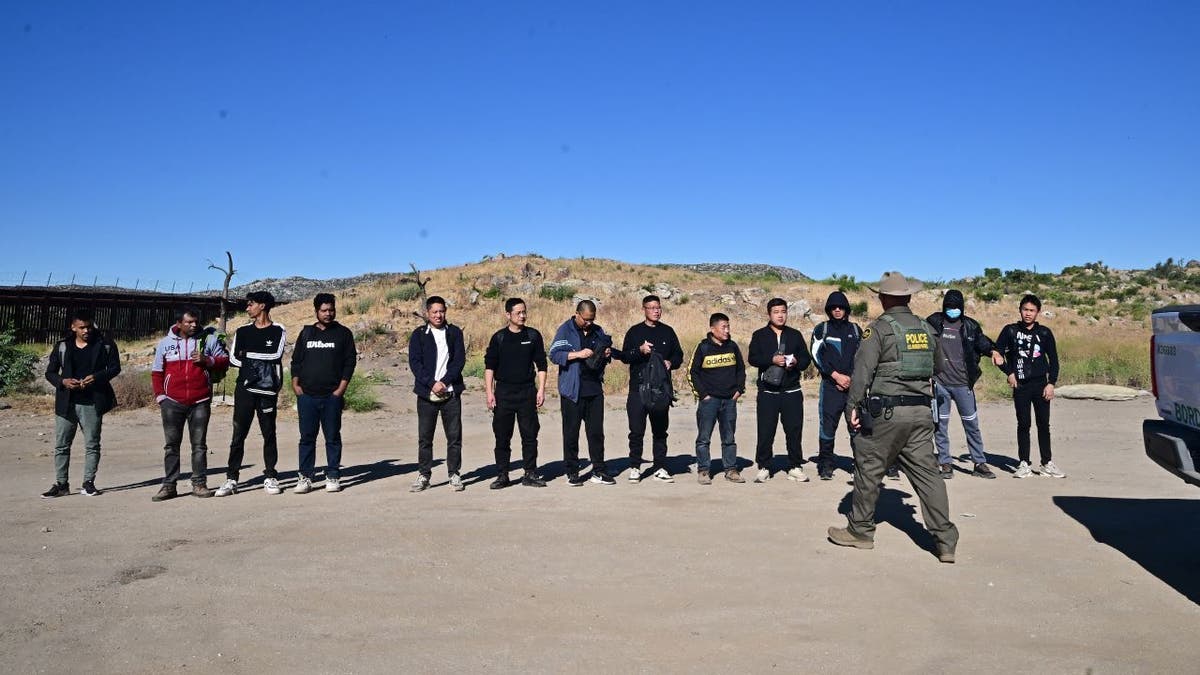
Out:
{"x": 946, "y": 471}
{"x": 532, "y": 480}
{"x": 983, "y": 471}
{"x": 825, "y": 473}
{"x": 88, "y": 488}
{"x": 893, "y": 473}
{"x": 501, "y": 482}
{"x": 57, "y": 490}
{"x": 573, "y": 479}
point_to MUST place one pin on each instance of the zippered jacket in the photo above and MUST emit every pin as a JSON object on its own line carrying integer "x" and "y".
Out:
{"x": 175, "y": 376}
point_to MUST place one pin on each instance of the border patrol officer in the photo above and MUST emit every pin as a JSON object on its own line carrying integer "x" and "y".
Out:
{"x": 889, "y": 404}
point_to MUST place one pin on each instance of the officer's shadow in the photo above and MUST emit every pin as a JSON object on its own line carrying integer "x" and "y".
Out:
{"x": 892, "y": 509}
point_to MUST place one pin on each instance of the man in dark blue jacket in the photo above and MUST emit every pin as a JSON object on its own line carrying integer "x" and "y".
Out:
{"x": 582, "y": 349}
{"x": 834, "y": 343}
{"x": 436, "y": 356}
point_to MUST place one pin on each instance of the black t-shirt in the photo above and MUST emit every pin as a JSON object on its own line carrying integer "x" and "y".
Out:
{"x": 81, "y": 366}
{"x": 515, "y": 357}
{"x": 589, "y": 378}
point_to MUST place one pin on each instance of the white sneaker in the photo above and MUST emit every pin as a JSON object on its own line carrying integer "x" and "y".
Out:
{"x": 1049, "y": 469}
{"x": 332, "y": 485}
{"x": 635, "y": 474}
{"x": 420, "y": 485}
{"x": 271, "y": 486}
{"x": 456, "y": 482}
{"x": 797, "y": 474}
{"x": 663, "y": 476}
{"x": 1023, "y": 471}
{"x": 762, "y": 476}
{"x": 229, "y": 487}
{"x": 303, "y": 486}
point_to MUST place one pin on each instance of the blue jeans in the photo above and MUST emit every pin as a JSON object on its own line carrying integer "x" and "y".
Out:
{"x": 964, "y": 400}
{"x": 720, "y": 412}
{"x": 322, "y": 413}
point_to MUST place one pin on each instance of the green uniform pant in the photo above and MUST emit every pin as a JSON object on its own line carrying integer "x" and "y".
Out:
{"x": 908, "y": 438}
{"x": 81, "y": 416}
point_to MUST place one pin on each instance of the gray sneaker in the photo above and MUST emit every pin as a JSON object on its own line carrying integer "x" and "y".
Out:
{"x": 420, "y": 485}
{"x": 456, "y": 483}
{"x": 1049, "y": 469}
{"x": 703, "y": 478}
{"x": 1023, "y": 471}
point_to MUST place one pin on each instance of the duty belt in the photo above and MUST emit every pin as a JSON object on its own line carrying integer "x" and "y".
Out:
{"x": 900, "y": 401}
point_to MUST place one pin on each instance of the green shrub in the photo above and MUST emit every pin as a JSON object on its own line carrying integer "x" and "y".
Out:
{"x": 844, "y": 282}
{"x": 474, "y": 366}
{"x": 364, "y": 305}
{"x": 991, "y": 273}
{"x": 404, "y": 293}
{"x": 360, "y": 395}
{"x": 988, "y": 295}
{"x": 859, "y": 308}
{"x": 16, "y": 364}
{"x": 493, "y": 293}
{"x": 556, "y": 292}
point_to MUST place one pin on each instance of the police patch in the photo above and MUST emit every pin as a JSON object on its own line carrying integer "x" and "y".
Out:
{"x": 867, "y": 332}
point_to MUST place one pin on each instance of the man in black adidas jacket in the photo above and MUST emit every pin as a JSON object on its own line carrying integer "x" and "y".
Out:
{"x": 780, "y": 353}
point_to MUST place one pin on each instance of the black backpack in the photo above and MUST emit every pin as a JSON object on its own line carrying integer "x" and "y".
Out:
{"x": 656, "y": 392}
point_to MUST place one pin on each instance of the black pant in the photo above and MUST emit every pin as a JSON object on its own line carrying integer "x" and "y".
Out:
{"x": 772, "y": 407}
{"x": 589, "y": 411}
{"x": 659, "y": 421}
{"x": 245, "y": 405}
{"x": 831, "y": 404}
{"x": 174, "y": 415}
{"x": 520, "y": 405}
{"x": 1029, "y": 393}
{"x": 427, "y": 417}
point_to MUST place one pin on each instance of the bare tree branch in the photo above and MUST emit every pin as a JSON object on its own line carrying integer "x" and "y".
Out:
{"x": 228, "y": 272}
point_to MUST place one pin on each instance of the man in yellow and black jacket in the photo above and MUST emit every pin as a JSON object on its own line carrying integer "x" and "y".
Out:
{"x": 718, "y": 379}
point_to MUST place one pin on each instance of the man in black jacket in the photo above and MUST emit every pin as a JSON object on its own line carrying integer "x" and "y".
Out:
{"x": 1031, "y": 363}
{"x": 436, "y": 356}
{"x": 781, "y": 355}
{"x": 322, "y": 364}
{"x": 642, "y": 339}
{"x": 80, "y": 368}
{"x": 961, "y": 344}
{"x": 834, "y": 344}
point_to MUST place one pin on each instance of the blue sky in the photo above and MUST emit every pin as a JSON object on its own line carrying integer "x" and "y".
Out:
{"x": 328, "y": 139}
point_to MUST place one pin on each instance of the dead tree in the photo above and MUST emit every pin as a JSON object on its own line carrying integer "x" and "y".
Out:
{"x": 228, "y": 272}
{"x": 415, "y": 278}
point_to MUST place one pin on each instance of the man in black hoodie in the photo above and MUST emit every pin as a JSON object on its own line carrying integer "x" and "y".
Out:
{"x": 718, "y": 379}
{"x": 834, "y": 344}
{"x": 779, "y": 353}
{"x": 961, "y": 344}
{"x": 322, "y": 364}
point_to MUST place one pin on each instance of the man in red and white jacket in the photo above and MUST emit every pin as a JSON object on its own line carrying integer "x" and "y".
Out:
{"x": 182, "y": 378}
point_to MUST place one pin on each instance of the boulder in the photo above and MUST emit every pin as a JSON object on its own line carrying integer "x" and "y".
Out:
{"x": 800, "y": 308}
{"x": 1097, "y": 392}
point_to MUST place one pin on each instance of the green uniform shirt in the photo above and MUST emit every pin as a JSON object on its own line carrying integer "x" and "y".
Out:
{"x": 879, "y": 348}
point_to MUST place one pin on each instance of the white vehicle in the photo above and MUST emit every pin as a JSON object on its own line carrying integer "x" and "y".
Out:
{"x": 1174, "y": 440}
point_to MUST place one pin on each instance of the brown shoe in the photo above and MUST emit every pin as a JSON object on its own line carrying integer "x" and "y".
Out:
{"x": 945, "y": 555}
{"x": 703, "y": 478}
{"x": 164, "y": 493}
{"x": 844, "y": 537}
{"x": 734, "y": 476}
{"x": 201, "y": 490}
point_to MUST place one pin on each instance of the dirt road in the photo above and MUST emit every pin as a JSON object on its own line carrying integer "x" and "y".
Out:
{"x": 1099, "y": 572}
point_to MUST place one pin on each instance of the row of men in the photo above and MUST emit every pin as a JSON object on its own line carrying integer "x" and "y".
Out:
{"x": 515, "y": 378}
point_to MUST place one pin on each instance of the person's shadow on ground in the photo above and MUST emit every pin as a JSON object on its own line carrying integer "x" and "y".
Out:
{"x": 892, "y": 509}
{"x": 1158, "y": 534}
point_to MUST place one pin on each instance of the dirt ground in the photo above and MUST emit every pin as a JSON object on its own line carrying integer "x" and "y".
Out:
{"x": 1099, "y": 572}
